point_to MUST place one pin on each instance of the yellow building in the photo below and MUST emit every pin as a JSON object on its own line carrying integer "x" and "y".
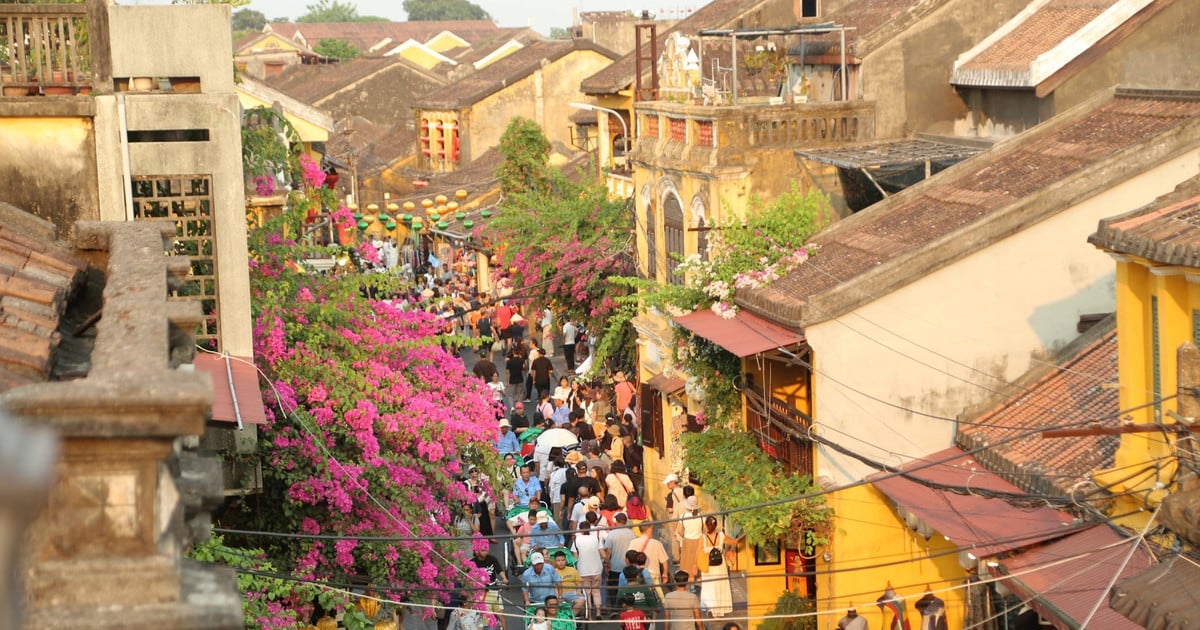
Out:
{"x": 1158, "y": 309}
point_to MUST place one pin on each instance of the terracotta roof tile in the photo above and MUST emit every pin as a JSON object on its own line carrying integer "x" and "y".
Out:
{"x": 1166, "y": 231}
{"x": 1077, "y": 386}
{"x": 864, "y": 17}
{"x": 1042, "y": 31}
{"x": 973, "y": 193}
{"x": 36, "y": 279}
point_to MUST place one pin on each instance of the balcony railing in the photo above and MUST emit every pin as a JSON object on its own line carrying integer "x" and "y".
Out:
{"x": 782, "y": 431}
{"x": 45, "y": 49}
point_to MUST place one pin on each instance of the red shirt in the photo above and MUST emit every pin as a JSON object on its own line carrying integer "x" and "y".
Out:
{"x": 624, "y": 391}
{"x": 503, "y": 316}
{"x": 633, "y": 619}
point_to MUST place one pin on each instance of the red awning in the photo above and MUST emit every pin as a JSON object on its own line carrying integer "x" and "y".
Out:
{"x": 1063, "y": 580}
{"x": 666, "y": 384}
{"x": 743, "y": 335}
{"x": 985, "y": 527}
{"x": 241, "y": 403}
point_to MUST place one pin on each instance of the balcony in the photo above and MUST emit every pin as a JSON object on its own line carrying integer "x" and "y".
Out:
{"x": 50, "y": 49}
{"x": 712, "y": 136}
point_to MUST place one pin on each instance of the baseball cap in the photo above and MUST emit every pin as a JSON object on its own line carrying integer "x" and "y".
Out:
{"x": 543, "y": 517}
{"x": 593, "y": 501}
{"x": 536, "y": 558}
{"x": 519, "y": 405}
{"x": 671, "y": 477}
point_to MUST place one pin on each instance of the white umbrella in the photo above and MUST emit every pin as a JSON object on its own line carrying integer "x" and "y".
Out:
{"x": 550, "y": 438}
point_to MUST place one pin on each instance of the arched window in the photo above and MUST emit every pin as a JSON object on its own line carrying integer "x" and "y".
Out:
{"x": 673, "y": 232}
{"x": 651, "y": 242}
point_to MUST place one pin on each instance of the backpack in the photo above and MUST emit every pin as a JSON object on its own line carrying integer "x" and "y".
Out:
{"x": 715, "y": 558}
{"x": 634, "y": 508}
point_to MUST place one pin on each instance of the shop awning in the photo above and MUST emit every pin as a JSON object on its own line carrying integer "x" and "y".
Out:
{"x": 666, "y": 384}
{"x": 743, "y": 335}
{"x": 983, "y": 526}
{"x": 1064, "y": 579}
{"x": 236, "y": 395}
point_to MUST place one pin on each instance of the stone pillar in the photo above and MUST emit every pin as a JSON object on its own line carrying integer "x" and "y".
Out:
{"x": 107, "y": 551}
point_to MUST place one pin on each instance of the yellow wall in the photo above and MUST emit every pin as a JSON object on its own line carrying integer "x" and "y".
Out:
{"x": 869, "y": 533}
{"x": 1142, "y": 289}
{"x": 307, "y": 131}
{"x": 446, "y": 41}
{"x": 272, "y": 42}
{"x": 421, "y": 56}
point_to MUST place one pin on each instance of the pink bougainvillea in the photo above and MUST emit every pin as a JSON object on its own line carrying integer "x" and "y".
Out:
{"x": 373, "y": 422}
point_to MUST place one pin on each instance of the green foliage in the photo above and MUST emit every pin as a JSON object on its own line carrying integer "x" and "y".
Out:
{"x": 233, "y": 3}
{"x": 337, "y": 49}
{"x": 335, "y": 11}
{"x": 715, "y": 368}
{"x": 270, "y": 145}
{"x": 790, "y": 603}
{"x": 558, "y": 32}
{"x": 248, "y": 20}
{"x": 786, "y": 222}
{"x": 526, "y": 152}
{"x": 432, "y": 10}
{"x": 740, "y": 475}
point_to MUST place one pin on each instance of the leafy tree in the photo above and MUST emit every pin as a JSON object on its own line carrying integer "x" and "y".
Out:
{"x": 562, "y": 240}
{"x": 248, "y": 20}
{"x": 235, "y": 3}
{"x": 337, "y": 49}
{"x": 558, "y": 32}
{"x": 432, "y": 10}
{"x": 335, "y": 11}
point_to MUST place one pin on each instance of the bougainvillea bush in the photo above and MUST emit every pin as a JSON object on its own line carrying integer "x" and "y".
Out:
{"x": 371, "y": 425}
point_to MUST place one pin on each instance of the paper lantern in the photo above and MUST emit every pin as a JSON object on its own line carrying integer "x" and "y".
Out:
{"x": 460, "y": 194}
{"x": 468, "y": 224}
{"x": 426, "y": 203}
{"x": 409, "y": 206}
{"x": 460, "y": 215}
{"x": 441, "y": 199}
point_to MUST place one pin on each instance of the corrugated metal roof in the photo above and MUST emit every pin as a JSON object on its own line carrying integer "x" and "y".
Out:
{"x": 242, "y": 403}
{"x": 984, "y": 526}
{"x": 1064, "y": 579}
{"x": 743, "y": 335}
{"x": 1163, "y": 596}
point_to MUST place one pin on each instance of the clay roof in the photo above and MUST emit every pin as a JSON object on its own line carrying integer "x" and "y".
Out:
{"x": 975, "y": 203}
{"x": 605, "y": 16}
{"x": 1045, "y": 37}
{"x": 476, "y": 86}
{"x": 865, "y": 18}
{"x": 364, "y": 35}
{"x": 1166, "y": 232}
{"x": 37, "y": 277}
{"x": 716, "y": 14}
{"x": 1078, "y": 385}
{"x": 1163, "y": 596}
{"x": 310, "y": 83}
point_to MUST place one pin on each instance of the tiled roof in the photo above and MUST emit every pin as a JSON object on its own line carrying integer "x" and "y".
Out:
{"x": 1079, "y": 385}
{"x": 1043, "y": 38}
{"x": 972, "y": 204}
{"x": 475, "y": 86}
{"x": 716, "y": 14}
{"x": 1166, "y": 231}
{"x": 309, "y": 83}
{"x": 1163, "y": 596}
{"x": 363, "y": 35}
{"x": 37, "y": 277}
{"x": 862, "y": 18}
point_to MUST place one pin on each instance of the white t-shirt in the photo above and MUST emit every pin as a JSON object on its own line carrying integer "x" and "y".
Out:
{"x": 557, "y": 478}
{"x": 569, "y": 334}
{"x": 587, "y": 552}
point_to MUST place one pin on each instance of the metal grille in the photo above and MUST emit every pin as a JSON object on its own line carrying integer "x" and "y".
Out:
{"x": 187, "y": 200}
{"x": 782, "y": 431}
{"x": 673, "y": 232}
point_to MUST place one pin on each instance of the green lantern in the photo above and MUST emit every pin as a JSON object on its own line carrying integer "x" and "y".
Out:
{"x": 460, "y": 215}
{"x": 383, "y": 218}
{"x": 391, "y": 225}
{"x": 434, "y": 217}
{"x": 362, "y": 225}
{"x": 417, "y": 224}
{"x": 468, "y": 224}
{"x": 358, "y": 216}
{"x": 486, "y": 214}
{"x": 442, "y": 225}
{"x": 407, "y": 218}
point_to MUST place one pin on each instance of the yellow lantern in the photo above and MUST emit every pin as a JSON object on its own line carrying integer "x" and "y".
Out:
{"x": 372, "y": 211}
{"x": 392, "y": 208}
{"x": 426, "y": 203}
{"x": 441, "y": 199}
{"x": 409, "y": 206}
{"x": 452, "y": 206}
{"x": 460, "y": 194}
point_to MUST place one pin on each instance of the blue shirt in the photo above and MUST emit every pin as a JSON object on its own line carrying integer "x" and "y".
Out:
{"x": 622, "y": 581}
{"x": 561, "y": 416}
{"x": 508, "y": 443}
{"x": 545, "y": 538}
{"x": 523, "y": 490}
{"x": 541, "y": 586}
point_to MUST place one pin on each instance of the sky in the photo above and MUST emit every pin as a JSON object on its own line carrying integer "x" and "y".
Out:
{"x": 540, "y": 14}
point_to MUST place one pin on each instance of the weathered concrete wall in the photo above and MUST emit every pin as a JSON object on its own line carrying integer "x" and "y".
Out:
{"x": 910, "y": 74}
{"x": 981, "y": 323}
{"x": 1001, "y": 113}
{"x": 173, "y": 41}
{"x": 46, "y": 168}
{"x": 542, "y": 97}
